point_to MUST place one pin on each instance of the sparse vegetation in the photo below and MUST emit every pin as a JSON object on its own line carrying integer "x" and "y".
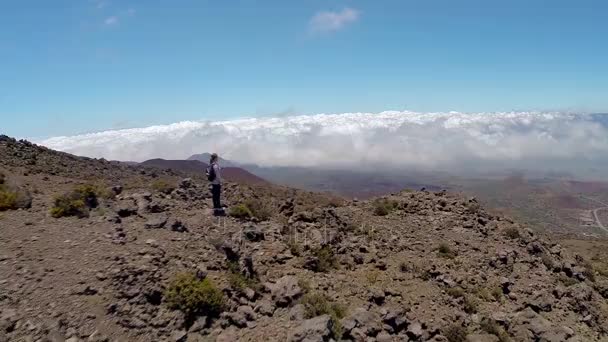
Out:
{"x": 471, "y": 304}
{"x": 11, "y": 197}
{"x": 497, "y": 293}
{"x": 383, "y": 207}
{"x": 78, "y": 202}
{"x": 372, "y": 276}
{"x": 162, "y": 186}
{"x": 455, "y": 333}
{"x": 588, "y": 270}
{"x": 251, "y": 208}
{"x": 193, "y": 296}
{"x": 326, "y": 259}
{"x": 512, "y": 233}
{"x": 8, "y": 199}
{"x": 238, "y": 280}
{"x": 456, "y": 292}
{"x": 259, "y": 209}
{"x": 445, "y": 251}
{"x": 490, "y": 294}
{"x": 547, "y": 261}
{"x": 304, "y": 284}
{"x": 240, "y": 211}
{"x": 294, "y": 246}
{"x": 491, "y": 327}
{"x": 566, "y": 281}
{"x": 317, "y": 304}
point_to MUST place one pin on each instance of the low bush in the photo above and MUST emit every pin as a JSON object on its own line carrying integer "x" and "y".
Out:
{"x": 372, "y": 276}
{"x": 456, "y": 292}
{"x": 8, "y": 199}
{"x": 13, "y": 197}
{"x": 317, "y": 304}
{"x": 471, "y": 304}
{"x": 445, "y": 251}
{"x": 566, "y": 281}
{"x": 383, "y": 207}
{"x": 294, "y": 246}
{"x": 490, "y": 326}
{"x": 162, "y": 186}
{"x": 78, "y": 202}
{"x": 193, "y": 296}
{"x": 588, "y": 270}
{"x": 455, "y": 333}
{"x": 259, "y": 209}
{"x": 512, "y": 233}
{"x": 326, "y": 259}
{"x": 238, "y": 280}
{"x": 240, "y": 211}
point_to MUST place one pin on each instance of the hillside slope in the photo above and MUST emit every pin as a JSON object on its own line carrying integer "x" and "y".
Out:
{"x": 194, "y": 167}
{"x": 415, "y": 266}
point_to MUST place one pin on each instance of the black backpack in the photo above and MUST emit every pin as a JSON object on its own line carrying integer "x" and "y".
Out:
{"x": 211, "y": 173}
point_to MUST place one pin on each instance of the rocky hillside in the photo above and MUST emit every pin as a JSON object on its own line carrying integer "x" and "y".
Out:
{"x": 109, "y": 252}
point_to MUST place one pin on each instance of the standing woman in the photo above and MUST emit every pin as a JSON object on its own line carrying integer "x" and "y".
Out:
{"x": 214, "y": 176}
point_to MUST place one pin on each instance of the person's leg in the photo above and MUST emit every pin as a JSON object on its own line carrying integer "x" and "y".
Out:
{"x": 219, "y": 196}
{"x": 215, "y": 192}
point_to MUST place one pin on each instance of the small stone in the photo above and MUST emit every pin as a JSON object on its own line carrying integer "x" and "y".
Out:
{"x": 152, "y": 242}
{"x": 179, "y": 336}
{"x": 158, "y": 221}
{"x": 414, "y": 330}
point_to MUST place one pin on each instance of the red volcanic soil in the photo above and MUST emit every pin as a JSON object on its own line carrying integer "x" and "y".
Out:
{"x": 233, "y": 174}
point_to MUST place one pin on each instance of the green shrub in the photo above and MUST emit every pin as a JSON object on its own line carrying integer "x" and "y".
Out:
{"x": 162, "y": 186}
{"x": 455, "y": 333}
{"x": 240, "y": 211}
{"x": 294, "y": 246}
{"x": 372, "y": 276}
{"x": 512, "y": 233}
{"x": 238, "y": 280}
{"x": 566, "y": 281}
{"x": 547, "y": 261}
{"x": 326, "y": 259}
{"x": 383, "y": 207}
{"x": 456, "y": 292}
{"x": 491, "y": 327}
{"x": 193, "y": 296}
{"x": 8, "y": 199}
{"x": 497, "y": 293}
{"x": 304, "y": 284}
{"x": 258, "y": 209}
{"x": 588, "y": 270}
{"x": 78, "y": 202}
{"x": 445, "y": 251}
{"x": 317, "y": 304}
{"x": 471, "y": 305}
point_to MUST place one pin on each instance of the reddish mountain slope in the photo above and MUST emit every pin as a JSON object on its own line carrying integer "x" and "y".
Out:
{"x": 233, "y": 174}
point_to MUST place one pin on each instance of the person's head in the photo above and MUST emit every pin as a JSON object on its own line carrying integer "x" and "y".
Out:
{"x": 213, "y": 158}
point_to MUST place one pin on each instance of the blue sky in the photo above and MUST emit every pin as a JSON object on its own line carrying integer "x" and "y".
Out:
{"x": 73, "y": 66}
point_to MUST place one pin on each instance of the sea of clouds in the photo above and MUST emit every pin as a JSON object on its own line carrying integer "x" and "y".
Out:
{"x": 389, "y": 139}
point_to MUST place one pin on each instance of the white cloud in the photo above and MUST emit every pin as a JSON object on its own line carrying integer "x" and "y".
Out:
{"x": 111, "y": 21}
{"x": 99, "y": 4}
{"x": 390, "y": 139}
{"x": 328, "y": 21}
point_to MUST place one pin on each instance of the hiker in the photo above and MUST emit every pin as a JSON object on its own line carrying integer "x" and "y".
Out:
{"x": 214, "y": 176}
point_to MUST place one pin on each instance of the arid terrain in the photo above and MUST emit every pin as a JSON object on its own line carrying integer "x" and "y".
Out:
{"x": 92, "y": 250}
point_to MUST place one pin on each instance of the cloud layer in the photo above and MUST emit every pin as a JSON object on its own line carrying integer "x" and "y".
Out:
{"x": 328, "y": 21}
{"x": 388, "y": 140}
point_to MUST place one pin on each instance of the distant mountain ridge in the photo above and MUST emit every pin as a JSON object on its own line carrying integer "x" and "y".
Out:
{"x": 205, "y": 157}
{"x": 234, "y": 174}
